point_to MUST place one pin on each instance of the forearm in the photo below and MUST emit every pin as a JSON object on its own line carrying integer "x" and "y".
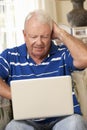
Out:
{"x": 76, "y": 47}
{"x": 5, "y": 90}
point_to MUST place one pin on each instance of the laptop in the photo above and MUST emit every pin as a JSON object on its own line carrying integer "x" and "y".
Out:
{"x": 42, "y": 97}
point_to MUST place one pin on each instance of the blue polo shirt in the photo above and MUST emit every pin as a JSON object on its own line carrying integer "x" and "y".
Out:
{"x": 16, "y": 64}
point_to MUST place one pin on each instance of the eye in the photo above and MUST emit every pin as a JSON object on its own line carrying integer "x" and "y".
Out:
{"x": 45, "y": 37}
{"x": 33, "y": 36}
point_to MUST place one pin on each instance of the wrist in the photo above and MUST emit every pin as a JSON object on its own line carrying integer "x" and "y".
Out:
{"x": 63, "y": 35}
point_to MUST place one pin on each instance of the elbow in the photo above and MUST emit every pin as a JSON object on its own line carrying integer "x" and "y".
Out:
{"x": 80, "y": 64}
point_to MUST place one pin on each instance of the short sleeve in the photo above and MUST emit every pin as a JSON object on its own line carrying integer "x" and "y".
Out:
{"x": 4, "y": 64}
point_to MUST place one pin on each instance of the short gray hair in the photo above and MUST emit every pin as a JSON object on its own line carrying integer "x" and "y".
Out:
{"x": 41, "y": 15}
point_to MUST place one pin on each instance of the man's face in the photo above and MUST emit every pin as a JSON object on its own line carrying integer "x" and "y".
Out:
{"x": 37, "y": 37}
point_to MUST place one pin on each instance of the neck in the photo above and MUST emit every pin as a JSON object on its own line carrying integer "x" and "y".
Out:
{"x": 37, "y": 59}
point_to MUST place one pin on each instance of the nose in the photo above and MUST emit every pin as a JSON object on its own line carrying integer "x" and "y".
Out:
{"x": 39, "y": 40}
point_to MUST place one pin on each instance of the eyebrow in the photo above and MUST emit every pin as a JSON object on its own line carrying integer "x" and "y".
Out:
{"x": 37, "y": 35}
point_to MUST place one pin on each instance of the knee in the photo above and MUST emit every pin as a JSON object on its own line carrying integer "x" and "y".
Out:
{"x": 77, "y": 119}
{"x": 11, "y": 125}
{"x": 77, "y": 122}
{"x": 18, "y": 125}
{"x": 74, "y": 122}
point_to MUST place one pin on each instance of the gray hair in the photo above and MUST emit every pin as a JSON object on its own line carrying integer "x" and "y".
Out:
{"x": 42, "y": 16}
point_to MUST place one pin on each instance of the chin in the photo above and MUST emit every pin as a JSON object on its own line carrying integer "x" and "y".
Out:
{"x": 38, "y": 54}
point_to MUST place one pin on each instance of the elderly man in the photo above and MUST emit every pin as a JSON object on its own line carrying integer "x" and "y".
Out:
{"x": 35, "y": 59}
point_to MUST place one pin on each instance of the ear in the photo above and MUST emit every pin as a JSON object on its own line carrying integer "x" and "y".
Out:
{"x": 24, "y": 33}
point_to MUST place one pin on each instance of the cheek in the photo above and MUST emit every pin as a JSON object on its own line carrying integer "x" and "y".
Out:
{"x": 47, "y": 46}
{"x": 29, "y": 43}
{"x": 29, "y": 46}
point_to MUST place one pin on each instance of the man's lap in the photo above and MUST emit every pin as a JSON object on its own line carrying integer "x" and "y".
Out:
{"x": 68, "y": 123}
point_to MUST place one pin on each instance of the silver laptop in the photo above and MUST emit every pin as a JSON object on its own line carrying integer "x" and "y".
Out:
{"x": 42, "y": 97}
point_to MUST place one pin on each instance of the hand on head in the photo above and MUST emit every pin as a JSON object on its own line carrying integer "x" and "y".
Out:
{"x": 56, "y": 32}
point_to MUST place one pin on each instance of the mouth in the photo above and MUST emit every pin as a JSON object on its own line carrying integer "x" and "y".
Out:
{"x": 39, "y": 48}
